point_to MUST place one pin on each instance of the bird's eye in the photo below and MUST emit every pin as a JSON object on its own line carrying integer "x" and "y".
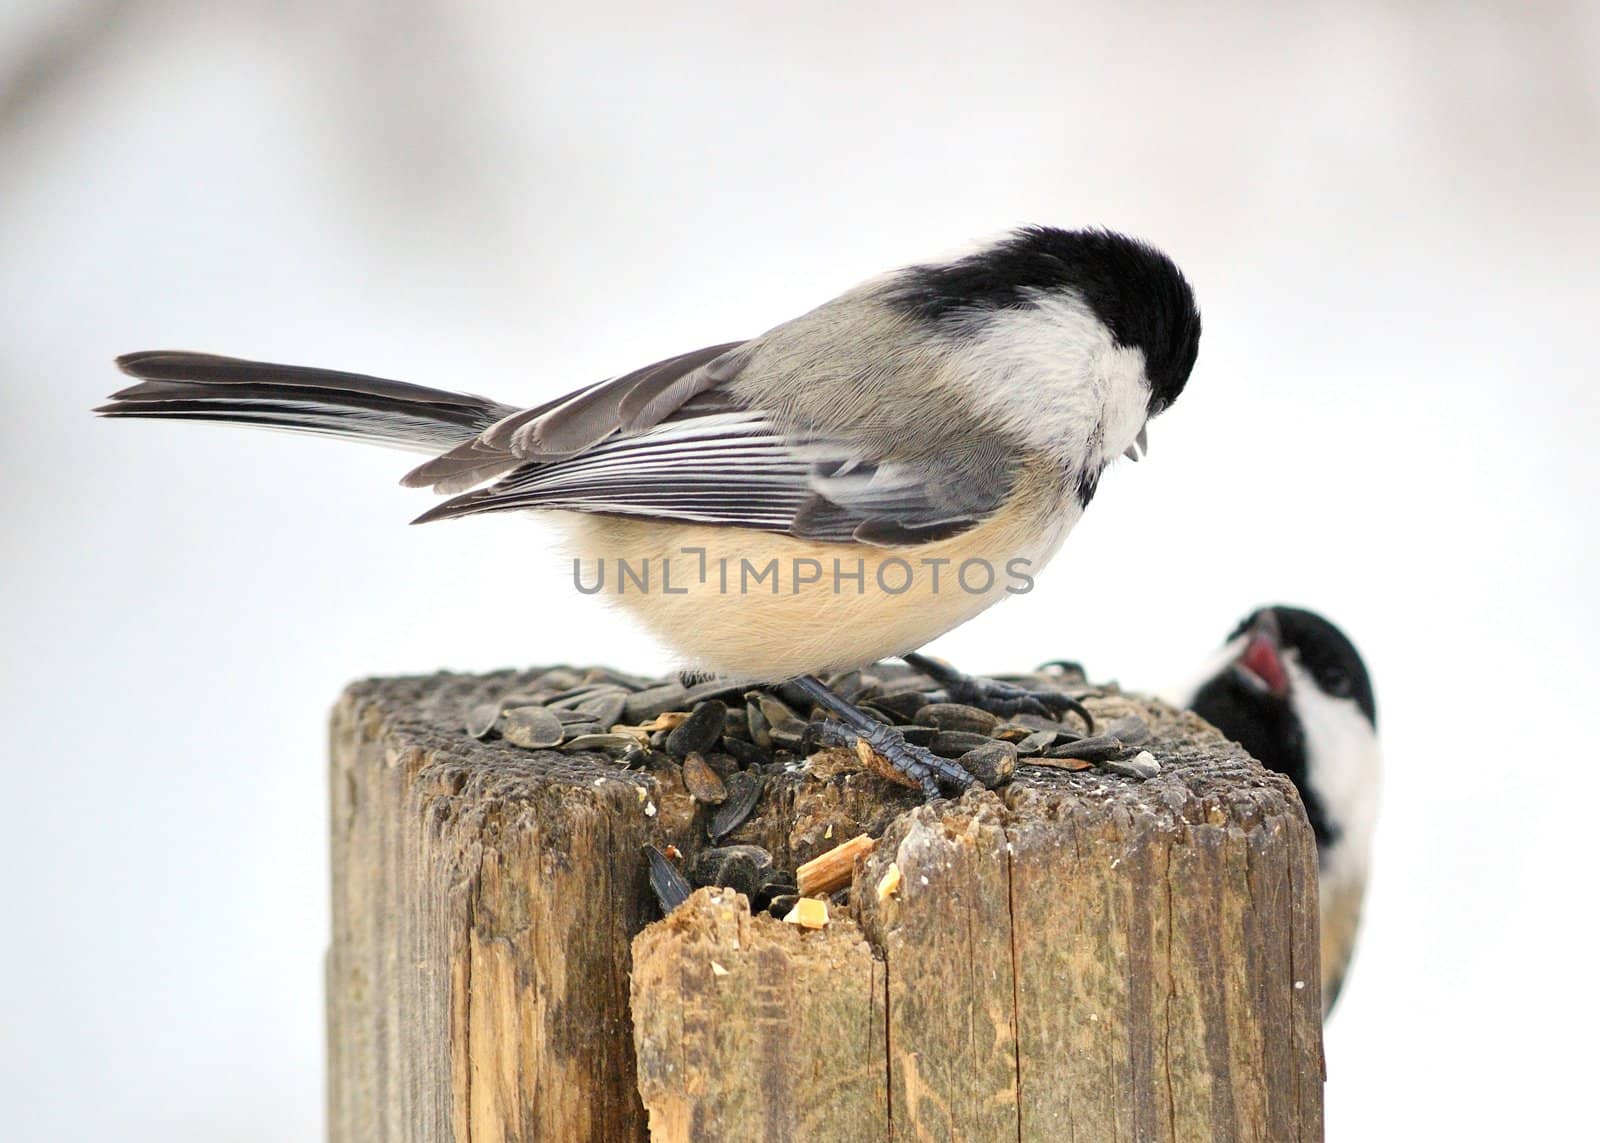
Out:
{"x": 1335, "y": 682}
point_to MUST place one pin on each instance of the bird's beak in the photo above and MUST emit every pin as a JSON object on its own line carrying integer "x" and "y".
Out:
{"x": 1260, "y": 665}
{"x": 1141, "y": 445}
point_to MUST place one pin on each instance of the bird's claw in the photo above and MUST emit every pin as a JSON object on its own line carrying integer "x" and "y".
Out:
{"x": 1001, "y": 698}
{"x": 919, "y": 764}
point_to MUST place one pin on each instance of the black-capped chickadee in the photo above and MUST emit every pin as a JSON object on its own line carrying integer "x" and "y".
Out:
{"x": 842, "y": 488}
{"x": 1291, "y": 689}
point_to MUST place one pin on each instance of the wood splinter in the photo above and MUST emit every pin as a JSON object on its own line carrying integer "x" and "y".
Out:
{"x": 832, "y": 870}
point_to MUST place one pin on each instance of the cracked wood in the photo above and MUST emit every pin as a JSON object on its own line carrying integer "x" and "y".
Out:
{"x": 1080, "y": 956}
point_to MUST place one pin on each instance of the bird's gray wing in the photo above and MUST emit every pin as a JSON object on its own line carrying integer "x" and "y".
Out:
{"x": 714, "y": 459}
{"x": 570, "y": 424}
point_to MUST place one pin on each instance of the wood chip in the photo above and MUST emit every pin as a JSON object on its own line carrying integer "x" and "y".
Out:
{"x": 889, "y": 882}
{"x": 808, "y": 913}
{"x": 833, "y": 869}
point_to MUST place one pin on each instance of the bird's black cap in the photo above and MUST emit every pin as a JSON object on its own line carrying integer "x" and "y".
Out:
{"x": 1324, "y": 651}
{"x": 1137, "y": 291}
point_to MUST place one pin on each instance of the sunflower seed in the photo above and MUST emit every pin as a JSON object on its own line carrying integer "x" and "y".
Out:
{"x": 956, "y": 716}
{"x": 848, "y": 686}
{"x": 573, "y": 717}
{"x": 743, "y": 867}
{"x": 1037, "y": 742}
{"x": 903, "y": 705}
{"x": 1096, "y": 749}
{"x": 744, "y": 791}
{"x": 615, "y": 678}
{"x": 756, "y": 721}
{"x": 559, "y": 679}
{"x": 531, "y": 727}
{"x": 670, "y": 887}
{"x": 722, "y": 765}
{"x": 993, "y": 763}
{"x": 644, "y": 705}
{"x": 481, "y": 722}
{"x": 606, "y": 709}
{"x": 1130, "y": 731}
{"x": 704, "y": 784}
{"x": 918, "y": 735}
{"x": 745, "y": 753}
{"x": 775, "y": 710}
{"x": 780, "y": 905}
{"x": 955, "y": 743}
{"x": 788, "y": 734}
{"x": 736, "y": 725}
{"x": 700, "y": 731}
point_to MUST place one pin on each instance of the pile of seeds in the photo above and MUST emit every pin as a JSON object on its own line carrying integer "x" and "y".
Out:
{"x": 725, "y": 741}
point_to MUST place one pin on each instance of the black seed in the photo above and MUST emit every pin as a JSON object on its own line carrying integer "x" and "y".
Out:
{"x": 1096, "y": 749}
{"x": 605, "y": 709}
{"x": 788, "y": 734}
{"x": 743, "y": 867}
{"x": 722, "y": 764}
{"x": 745, "y": 753}
{"x": 772, "y": 890}
{"x": 756, "y": 721}
{"x": 918, "y": 735}
{"x": 646, "y": 704}
{"x": 736, "y": 725}
{"x": 670, "y": 888}
{"x": 848, "y": 686}
{"x": 699, "y": 732}
{"x": 955, "y": 716}
{"x": 903, "y": 705}
{"x": 1130, "y": 731}
{"x": 575, "y": 718}
{"x": 955, "y": 743}
{"x": 481, "y": 722}
{"x": 744, "y": 791}
{"x": 781, "y": 904}
{"x": 531, "y": 727}
{"x": 1037, "y": 742}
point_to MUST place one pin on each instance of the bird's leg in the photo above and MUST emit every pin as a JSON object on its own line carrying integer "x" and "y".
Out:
{"x": 852, "y": 724}
{"x": 1004, "y": 699}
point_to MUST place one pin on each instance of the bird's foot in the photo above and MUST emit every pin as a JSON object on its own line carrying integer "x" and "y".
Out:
{"x": 996, "y": 697}
{"x": 854, "y": 728}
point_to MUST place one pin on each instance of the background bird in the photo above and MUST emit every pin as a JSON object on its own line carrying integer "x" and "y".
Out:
{"x": 1291, "y": 689}
{"x": 902, "y": 456}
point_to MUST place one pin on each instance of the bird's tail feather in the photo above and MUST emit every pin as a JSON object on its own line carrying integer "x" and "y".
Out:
{"x": 204, "y": 387}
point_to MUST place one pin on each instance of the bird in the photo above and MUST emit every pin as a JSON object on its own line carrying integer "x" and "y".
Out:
{"x": 840, "y": 489}
{"x": 1290, "y": 688}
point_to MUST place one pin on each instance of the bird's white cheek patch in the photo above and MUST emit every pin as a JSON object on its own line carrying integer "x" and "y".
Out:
{"x": 1342, "y": 768}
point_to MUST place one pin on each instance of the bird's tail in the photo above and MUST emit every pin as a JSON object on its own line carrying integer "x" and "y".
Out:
{"x": 205, "y": 387}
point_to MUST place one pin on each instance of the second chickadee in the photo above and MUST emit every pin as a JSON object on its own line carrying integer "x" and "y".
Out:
{"x": 1291, "y": 689}
{"x": 842, "y": 488}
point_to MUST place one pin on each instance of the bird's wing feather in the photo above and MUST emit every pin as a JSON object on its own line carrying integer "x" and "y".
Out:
{"x": 717, "y": 461}
{"x": 574, "y": 422}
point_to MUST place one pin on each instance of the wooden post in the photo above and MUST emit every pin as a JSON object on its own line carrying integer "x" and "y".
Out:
{"x": 1078, "y": 955}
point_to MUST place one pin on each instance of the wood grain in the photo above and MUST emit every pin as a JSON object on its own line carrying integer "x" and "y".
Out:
{"x": 1078, "y": 956}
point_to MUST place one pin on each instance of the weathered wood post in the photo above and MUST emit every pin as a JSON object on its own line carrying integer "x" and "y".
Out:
{"x": 1076, "y": 955}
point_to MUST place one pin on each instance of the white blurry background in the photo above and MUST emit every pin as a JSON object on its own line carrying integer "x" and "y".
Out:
{"x": 1390, "y": 215}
